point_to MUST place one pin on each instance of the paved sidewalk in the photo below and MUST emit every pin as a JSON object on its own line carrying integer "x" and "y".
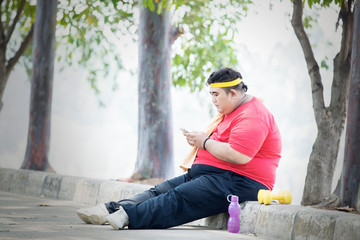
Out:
{"x": 28, "y": 217}
{"x": 274, "y": 221}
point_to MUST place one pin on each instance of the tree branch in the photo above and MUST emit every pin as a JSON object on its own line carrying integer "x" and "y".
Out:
{"x": 312, "y": 66}
{"x": 7, "y": 7}
{"x": 347, "y": 34}
{"x": 342, "y": 60}
{"x": 20, "y": 51}
{"x": 16, "y": 19}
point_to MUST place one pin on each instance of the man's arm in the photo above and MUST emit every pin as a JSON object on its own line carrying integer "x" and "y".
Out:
{"x": 220, "y": 150}
{"x": 223, "y": 151}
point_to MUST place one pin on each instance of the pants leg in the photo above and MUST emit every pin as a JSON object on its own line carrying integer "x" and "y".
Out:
{"x": 201, "y": 197}
{"x": 152, "y": 192}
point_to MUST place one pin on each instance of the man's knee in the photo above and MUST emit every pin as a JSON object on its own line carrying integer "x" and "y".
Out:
{"x": 161, "y": 188}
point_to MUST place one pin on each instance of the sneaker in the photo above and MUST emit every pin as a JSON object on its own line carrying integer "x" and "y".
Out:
{"x": 93, "y": 215}
{"x": 118, "y": 219}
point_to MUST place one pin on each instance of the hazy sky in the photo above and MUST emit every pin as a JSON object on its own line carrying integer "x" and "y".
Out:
{"x": 95, "y": 142}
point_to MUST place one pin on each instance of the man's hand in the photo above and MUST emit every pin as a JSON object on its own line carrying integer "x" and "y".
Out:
{"x": 220, "y": 150}
{"x": 196, "y": 138}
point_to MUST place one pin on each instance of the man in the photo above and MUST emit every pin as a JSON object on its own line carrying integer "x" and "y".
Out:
{"x": 237, "y": 156}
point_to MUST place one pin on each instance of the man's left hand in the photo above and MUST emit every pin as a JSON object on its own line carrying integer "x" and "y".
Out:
{"x": 196, "y": 138}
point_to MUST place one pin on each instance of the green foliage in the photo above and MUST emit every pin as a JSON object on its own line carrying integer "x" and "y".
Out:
{"x": 208, "y": 41}
{"x": 323, "y": 3}
{"x": 84, "y": 34}
{"x": 8, "y": 12}
{"x": 84, "y": 27}
{"x": 161, "y": 5}
{"x": 324, "y": 63}
{"x": 309, "y": 21}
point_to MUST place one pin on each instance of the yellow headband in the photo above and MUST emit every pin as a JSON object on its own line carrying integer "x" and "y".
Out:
{"x": 226, "y": 84}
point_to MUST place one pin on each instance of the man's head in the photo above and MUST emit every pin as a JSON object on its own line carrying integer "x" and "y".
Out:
{"x": 227, "y": 75}
{"x": 227, "y": 89}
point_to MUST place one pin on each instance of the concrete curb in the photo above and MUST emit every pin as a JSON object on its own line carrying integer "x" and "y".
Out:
{"x": 270, "y": 221}
{"x": 83, "y": 190}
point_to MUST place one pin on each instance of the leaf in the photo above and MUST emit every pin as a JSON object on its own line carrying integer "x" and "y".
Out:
{"x": 324, "y": 65}
{"x": 151, "y": 5}
{"x": 345, "y": 209}
{"x": 114, "y": 2}
{"x": 159, "y": 7}
{"x": 308, "y": 20}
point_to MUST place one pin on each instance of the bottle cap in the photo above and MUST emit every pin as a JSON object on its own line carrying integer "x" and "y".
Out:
{"x": 234, "y": 198}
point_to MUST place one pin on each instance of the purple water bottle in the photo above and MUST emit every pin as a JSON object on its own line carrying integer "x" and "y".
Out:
{"x": 234, "y": 211}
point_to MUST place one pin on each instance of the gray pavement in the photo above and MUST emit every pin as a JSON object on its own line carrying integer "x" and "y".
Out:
{"x": 28, "y": 217}
{"x": 24, "y": 218}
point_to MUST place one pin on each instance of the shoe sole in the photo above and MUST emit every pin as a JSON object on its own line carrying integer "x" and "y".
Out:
{"x": 92, "y": 219}
{"x": 114, "y": 226}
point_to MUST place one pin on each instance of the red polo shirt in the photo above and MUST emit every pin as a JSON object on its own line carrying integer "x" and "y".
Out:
{"x": 252, "y": 131}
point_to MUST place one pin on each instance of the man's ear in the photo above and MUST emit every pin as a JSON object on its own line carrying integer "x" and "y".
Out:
{"x": 233, "y": 93}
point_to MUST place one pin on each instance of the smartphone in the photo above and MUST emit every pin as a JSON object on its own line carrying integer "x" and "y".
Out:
{"x": 184, "y": 130}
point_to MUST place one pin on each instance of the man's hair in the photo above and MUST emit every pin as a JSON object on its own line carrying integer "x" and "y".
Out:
{"x": 226, "y": 74}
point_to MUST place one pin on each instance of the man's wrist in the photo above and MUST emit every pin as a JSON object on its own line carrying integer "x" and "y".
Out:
{"x": 204, "y": 144}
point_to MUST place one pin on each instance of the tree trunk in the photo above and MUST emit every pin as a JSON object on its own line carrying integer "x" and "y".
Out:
{"x": 36, "y": 157}
{"x": 350, "y": 176}
{"x": 322, "y": 162}
{"x": 330, "y": 120}
{"x": 155, "y": 144}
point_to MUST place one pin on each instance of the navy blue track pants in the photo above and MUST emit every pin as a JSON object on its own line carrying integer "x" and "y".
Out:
{"x": 202, "y": 192}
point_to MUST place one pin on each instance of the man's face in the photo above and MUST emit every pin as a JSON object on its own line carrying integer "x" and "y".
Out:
{"x": 222, "y": 101}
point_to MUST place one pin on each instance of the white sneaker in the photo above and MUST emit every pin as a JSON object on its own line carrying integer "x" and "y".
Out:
{"x": 93, "y": 215}
{"x": 118, "y": 219}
